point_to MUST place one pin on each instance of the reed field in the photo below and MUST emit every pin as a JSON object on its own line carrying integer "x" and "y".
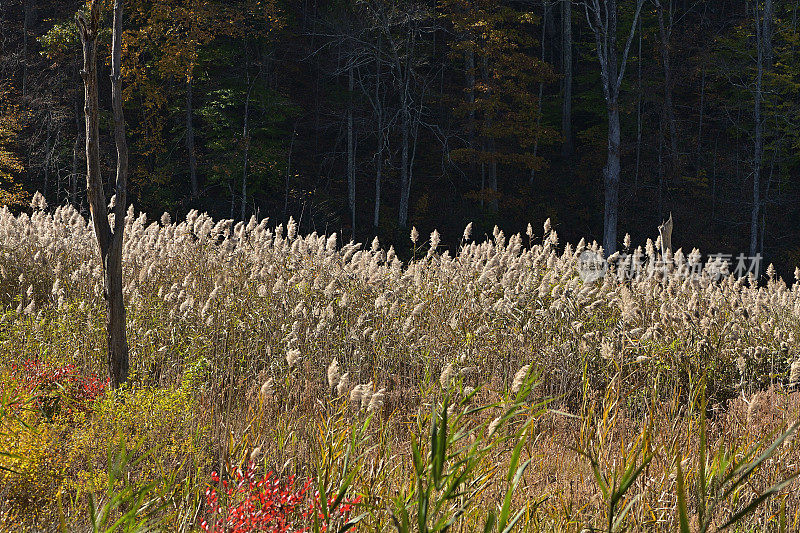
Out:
{"x": 286, "y": 382}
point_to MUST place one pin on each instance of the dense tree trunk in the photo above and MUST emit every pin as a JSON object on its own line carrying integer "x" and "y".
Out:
{"x": 351, "y": 156}
{"x": 288, "y": 174}
{"x": 376, "y": 215}
{"x": 699, "y": 157}
{"x": 246, "y": 140}
{"x": 109, "y": 241}
{"x": 76, "y": 149}
{"x": 470, "y": 81}
{"x": 665, "y": 32}
{"x": 763, "y": 20}
{"x": 566, "y": 60}
{"x": 190, "y": 150}
{"x": 638, "y": 111}
{"x": 532, "y": 177}
{"x": 611, "y": 179}
{"x": 28, "y": 15}
{"x": 603, "y": 23}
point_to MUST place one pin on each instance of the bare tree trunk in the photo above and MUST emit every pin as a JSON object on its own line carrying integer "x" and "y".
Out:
{"x": 246, "y": 138}
{"x": 470, "y": 71}
{"x": 764, "y": 45}
{"x": 699, "y": 156}
{"x": 110, "y": 242}
{"x": 566, "y": 108}
{"x": 351, "y": 156}
{"x": 190, "y": 141}
{"x": 611, "y": 178}
{"x": 603, "y": 23}
{"x": 532, "y": 177}
{"x": 47, "y": 153}
{"x": 376, "y": 215}
{"x": 489, "y": 141}
{"x": 638, "y": 111}
{"x": 660, "y": 172}
{"x": 28, "y": 10}
{"x": 288, "y": 174}
{"x": 76, "y": 151}
{"x": 405, "y": 128}
{"x": 665, "y": 31}
{"x": 714, "y": 181}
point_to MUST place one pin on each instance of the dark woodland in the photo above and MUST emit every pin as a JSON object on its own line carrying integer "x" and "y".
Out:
{"x": 370, "y": 117}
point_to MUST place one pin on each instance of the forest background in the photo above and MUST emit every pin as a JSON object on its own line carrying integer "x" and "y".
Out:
{"x": 368, "y": 117}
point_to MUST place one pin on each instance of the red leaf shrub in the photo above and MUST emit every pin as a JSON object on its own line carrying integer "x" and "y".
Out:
{"x": 267, "y": 505}
{"x": 57, "y": 388}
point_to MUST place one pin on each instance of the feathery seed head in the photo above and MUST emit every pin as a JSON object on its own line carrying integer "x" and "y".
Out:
{"x": 333, "y": 374}
{"x": 293, "y": 357}
{"x": 519, "y": 379}
{"x": 448, "y": 374}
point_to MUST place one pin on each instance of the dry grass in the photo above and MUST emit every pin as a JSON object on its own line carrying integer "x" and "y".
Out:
{"x": 233, "y": 329}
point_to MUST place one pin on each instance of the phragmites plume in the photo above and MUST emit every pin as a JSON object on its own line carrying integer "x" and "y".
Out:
{"x": 449, "y": 373}
{"x": 794, "y": 375}
{"x": 376, "y": 401}
{"x": 519, "y": 379}
{"x": 38, "y": 203}
{"x": 255, "y": 453}
{"x": 343, "y": 385}
{"x": 435, "y": 240}
{"x": 293, "y": 357}
{"x": 361, "y": 395}
{"x": 468, "y": 231}
{"x": 414, "y": 234}
{"x": 366, "y": 395}
{"x": 355, "y": 395}
{"x": 547, "y": 226}
{"x": 493, "y": 426}
{"x": 334, "y": 376}
{"x": 266, "y": 390}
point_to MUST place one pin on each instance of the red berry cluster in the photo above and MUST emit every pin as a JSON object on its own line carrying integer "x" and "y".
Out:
{"x": 56, "y": 387}
{"x": 267, "y": 505}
